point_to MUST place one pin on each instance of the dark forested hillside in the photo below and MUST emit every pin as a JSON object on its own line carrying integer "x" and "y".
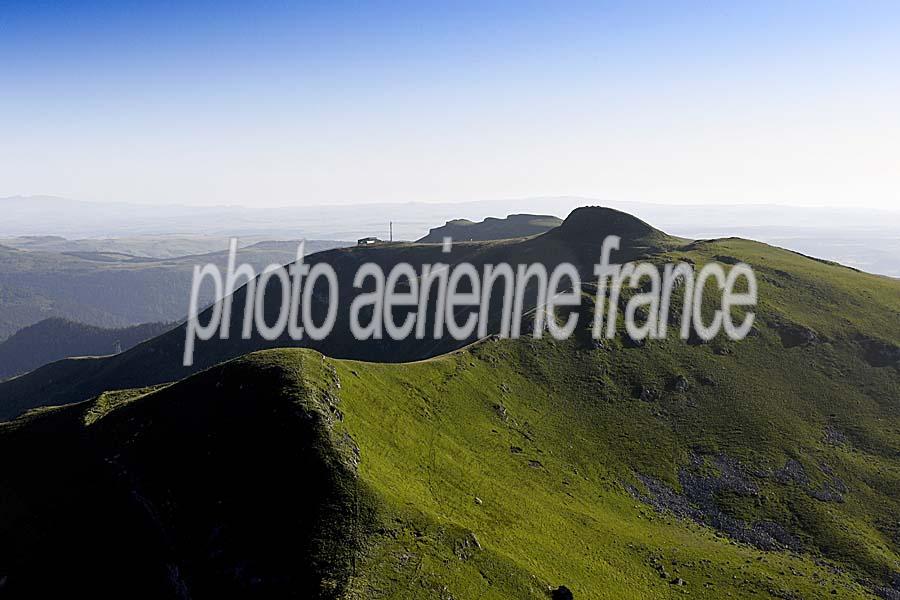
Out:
{"x": 54, "y": 339}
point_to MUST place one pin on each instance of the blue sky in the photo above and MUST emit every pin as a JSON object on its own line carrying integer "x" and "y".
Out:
{"x": 309, "y": 103}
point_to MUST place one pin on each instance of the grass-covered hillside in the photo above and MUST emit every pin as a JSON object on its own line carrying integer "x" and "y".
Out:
{"x": 500, "y": 471}
{"x": 765, "y": 468}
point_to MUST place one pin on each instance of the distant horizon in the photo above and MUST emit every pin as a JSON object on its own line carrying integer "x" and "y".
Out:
{"x": 590, "y": 199}
{"x": 863, "y": 238}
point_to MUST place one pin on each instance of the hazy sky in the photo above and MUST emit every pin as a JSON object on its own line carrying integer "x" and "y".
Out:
{"x": 310, "y": 103}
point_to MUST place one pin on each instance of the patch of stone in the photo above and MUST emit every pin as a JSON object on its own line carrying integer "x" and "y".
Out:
{"x": 657, "y": 564}
{"x": 701, "y": 488}
{"x": 887, "y": 593}
{"x": 879, "y": 353}
{"x": 728, "y": 260}
{"x": 647, "y": 394}
{"x": 680, "y": 384}
{"x": 792, "y": 335}
{"x": 831, "y": 490}
{"x": 698, "y": 502}
{"x": 834, "y": 436}
{"x": 467, "y": 546}
{"x": 629, "y": 342}
{"x": 722, "y": 349}
{"x": 792, "y": 473}
{"x": 351, "y": 448}
{"x": 773, "y": 281}
{"x": 694, "y": 339}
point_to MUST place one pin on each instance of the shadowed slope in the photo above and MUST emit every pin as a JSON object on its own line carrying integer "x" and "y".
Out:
{"x": 228, "y": 484}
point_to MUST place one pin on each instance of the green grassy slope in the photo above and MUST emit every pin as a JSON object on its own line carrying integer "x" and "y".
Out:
{"x": 761, "y": 468}
{"x": 771, "y": 444}
{"x": 768, "y": 467}
{"x": 542, "y": 483}
{"x": 493, "y": 472}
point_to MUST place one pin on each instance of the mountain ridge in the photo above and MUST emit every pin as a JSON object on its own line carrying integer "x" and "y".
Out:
{"x": 502, "y": 469}
{"x": 492, "y": 228}
{"x": 163, "y": 356}
{"x": 159, "y": 360}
